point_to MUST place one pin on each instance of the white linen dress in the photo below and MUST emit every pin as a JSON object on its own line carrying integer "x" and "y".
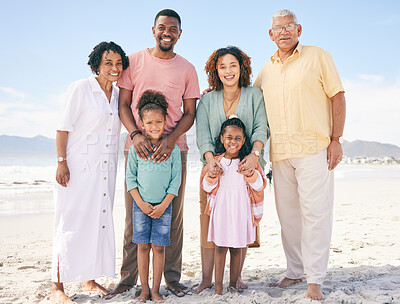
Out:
{"x": 84, "y": 244}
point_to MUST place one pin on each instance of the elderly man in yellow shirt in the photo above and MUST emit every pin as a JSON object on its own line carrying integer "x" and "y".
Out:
{"x": 306, "y": 111}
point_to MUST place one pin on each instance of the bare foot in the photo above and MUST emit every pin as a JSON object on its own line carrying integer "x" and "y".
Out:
{"x": 120, "y": 288}
{"x": 156, "y": 297}
{"x": 93, "y": 286}
{"x": 314, "y": 292}
{"x": 285, "y": 282}
{"x": 57, "y": 294}
{"x": 218, "y": 290}
{"x": 240, "y": 284}
{"x": 203, "y": 285}
{"x": 144, "y": 295}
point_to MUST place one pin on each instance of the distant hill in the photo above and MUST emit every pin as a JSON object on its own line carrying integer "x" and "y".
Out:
{"x": 35, "y": 151}
{"x": 40, "y": 150}
{"x": 360, "y": 148}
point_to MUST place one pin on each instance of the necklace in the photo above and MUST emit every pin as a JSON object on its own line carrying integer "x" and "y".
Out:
{"x": 230, "y": 105}
{"x": 234, "y": 97}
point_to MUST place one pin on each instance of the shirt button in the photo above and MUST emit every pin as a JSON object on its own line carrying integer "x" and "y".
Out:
{"x": 104, "y": 211}
{"x": 111, "y": 114}
{"x": 107, "y": 145}
{"x": 109, "y": 130}
{"x": 104, "y": 194}
{"x": 105, "y": 178}
{"x": 103, "y": 227}
{"x": 105, "y": 161}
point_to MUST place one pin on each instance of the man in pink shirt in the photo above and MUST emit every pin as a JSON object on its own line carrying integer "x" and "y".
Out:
{"x": 159, "y": 69}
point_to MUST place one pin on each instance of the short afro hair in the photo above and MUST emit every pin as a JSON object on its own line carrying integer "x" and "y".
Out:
{"x": 98, "y": 51}
{"x": 152, "y": 100}
{"x": 211, "y": 67}
{"x": 168, "y": 13}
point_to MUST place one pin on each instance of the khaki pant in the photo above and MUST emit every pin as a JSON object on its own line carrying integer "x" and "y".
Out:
{"x": 173, "y": 252}
{"x": 304, "y": 202}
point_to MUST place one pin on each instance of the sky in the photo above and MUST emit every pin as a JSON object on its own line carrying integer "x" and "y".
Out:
{"x": 45, "y": 45}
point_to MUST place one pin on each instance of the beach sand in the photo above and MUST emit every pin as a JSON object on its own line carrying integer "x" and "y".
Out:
{"x": 364, "y": 264}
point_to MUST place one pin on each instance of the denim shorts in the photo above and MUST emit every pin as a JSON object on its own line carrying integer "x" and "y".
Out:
{"x": 148, "y": 230}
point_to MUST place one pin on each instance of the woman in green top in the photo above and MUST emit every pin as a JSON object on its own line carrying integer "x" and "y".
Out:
{"x": 228, "y": 70}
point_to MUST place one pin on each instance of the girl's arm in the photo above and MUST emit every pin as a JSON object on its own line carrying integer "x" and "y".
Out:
{"x": 208, "y": 183}
{"x": 255, "y": 181}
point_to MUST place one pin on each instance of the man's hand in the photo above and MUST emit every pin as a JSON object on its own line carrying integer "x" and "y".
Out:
{"x": 142, "y": 146}
{"x": 335, "y": 153}
{"x": 62, "y": 174}
{"x": 147, "y": 208}
{"x": 163, "y": 150}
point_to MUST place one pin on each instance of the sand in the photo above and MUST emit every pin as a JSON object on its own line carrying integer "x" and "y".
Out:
{"x": 364, "y": 264}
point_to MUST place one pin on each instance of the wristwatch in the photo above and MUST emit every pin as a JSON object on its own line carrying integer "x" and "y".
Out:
{"x": 339, "y": 139}
{"x": 256, "y": 153}
{"x": 61, "y": 159}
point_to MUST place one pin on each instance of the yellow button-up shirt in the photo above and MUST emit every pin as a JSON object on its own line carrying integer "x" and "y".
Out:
{"x": 297, "y": 96}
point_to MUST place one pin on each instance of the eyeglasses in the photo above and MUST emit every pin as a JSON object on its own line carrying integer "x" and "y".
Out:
{"x": 288, "y": 27}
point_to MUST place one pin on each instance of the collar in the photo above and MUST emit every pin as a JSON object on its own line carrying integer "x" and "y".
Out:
{"x": 94, "y": 84}
{"x": 96, "y": 88}
{"x": 297, "y": 50}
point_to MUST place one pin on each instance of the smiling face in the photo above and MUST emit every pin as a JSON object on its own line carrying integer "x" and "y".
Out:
{"x": 110, "y": 68}
{"x": 228, "y": 68}
{"x": 153, "y": 122}
{"x": 285, "y": 40}
{"x": 233, "y": 140}
{"x": 167, "y": 32}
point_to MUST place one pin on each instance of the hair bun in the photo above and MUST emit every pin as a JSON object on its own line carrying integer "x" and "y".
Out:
{"x": 232, "y": 116}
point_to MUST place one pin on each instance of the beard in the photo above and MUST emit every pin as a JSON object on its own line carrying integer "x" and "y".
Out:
{"x": 165, "y": 48}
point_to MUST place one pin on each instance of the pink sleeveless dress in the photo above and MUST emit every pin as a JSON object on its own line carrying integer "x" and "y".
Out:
{"x": 230, "y": 220}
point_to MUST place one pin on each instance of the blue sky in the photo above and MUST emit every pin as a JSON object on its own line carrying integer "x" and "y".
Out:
{"x": 46, "y": 44}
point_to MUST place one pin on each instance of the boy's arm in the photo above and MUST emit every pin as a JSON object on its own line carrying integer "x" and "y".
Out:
{"x": 172, "y": 191}
{"x": 132, "y": 182}
{"x": 144, "y": 206}
{"x": 159, "y": 209}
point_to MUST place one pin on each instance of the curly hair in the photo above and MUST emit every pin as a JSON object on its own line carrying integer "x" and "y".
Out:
{"x": 152, "y": 100}
{"x": 98, "y": 51}
{"x": 212, "y": 63}
{"x": 219, "y": 146}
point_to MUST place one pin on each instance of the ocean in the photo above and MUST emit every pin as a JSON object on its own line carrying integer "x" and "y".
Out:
{"x": 29, "y": 190}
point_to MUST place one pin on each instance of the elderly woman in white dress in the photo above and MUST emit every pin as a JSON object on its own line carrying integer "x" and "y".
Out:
{"x": 87, "y": 149}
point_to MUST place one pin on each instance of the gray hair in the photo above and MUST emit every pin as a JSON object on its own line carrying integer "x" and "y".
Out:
{"x": 283, "y": 13}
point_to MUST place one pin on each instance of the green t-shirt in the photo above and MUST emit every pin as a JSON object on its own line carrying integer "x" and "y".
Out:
{"x": 154, "y": 180}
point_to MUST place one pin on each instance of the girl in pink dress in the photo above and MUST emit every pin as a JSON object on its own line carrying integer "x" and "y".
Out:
{"x": 234, "y": 200}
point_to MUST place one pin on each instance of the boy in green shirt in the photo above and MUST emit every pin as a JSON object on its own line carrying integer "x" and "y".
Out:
{"x": 153, "y": 186}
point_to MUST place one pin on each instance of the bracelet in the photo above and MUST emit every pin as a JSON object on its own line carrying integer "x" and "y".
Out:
{"x": 134, "y": 133}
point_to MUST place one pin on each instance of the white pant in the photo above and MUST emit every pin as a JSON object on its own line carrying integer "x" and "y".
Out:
{"x": 304, "y": 202}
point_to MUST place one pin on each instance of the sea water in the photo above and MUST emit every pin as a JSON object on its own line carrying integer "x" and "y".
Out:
{"x": 29, "y": 190}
